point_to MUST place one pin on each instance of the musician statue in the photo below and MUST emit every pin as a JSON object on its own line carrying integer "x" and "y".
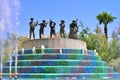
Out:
{"x": 62, "y": 31}
{"x": 73, "y": 29}
{"x": 52, "y": 28}
{"x": 42, "y": 26}
{"x": 32, "y": 27}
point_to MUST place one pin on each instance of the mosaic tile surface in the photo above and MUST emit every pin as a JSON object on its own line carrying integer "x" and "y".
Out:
{"x": 52, "y": 64}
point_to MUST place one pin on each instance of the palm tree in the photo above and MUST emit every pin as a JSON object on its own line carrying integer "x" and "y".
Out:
{"x": 105, "y": 18}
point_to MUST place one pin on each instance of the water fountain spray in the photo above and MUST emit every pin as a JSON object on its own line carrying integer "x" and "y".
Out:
{"x": 10, "y": 47}
{"x": 33, "y": 50}
{"x": 23, "y": 50}
{"x": 16, "y": 60}
{"x": 42, "y": 47}
{"x": 10, "y": 65}
{"x": 1, "y": 59}
{"x": 1, "y": 62}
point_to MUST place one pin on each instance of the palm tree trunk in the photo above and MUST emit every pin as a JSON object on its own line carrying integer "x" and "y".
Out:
{"x": 105, "y": 31}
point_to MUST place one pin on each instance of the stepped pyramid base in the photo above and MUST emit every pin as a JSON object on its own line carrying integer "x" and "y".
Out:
{"x": 59, "y": 62}
{"x": 69, "y": 76}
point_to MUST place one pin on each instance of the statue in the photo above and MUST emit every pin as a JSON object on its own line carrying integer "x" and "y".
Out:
{"x": 73, "y": 29}
{"x": 42, "y": 26}
{"x": 32, "y": 27}
{"x": 62, "y": 26}
{"x": 52, "y": 28}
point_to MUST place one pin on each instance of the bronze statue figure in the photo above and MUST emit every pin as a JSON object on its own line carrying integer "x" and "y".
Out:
{"x": 52, "y": 28}
{"x": 62, "y": 26}
{"x": 72, "y": 34}
{"x": 32, "y": 27}
{"x": 73, "y": 29}
{"x": 42, "y": 26}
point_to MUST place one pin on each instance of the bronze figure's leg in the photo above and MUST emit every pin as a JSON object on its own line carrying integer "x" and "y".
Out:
{"x": 30, "y": 34}
{"x": 40, "y": 34}
{"x": 33, "y": 35}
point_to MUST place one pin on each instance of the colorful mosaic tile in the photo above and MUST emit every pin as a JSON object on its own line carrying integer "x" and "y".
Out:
{"x": 71, "y": 63}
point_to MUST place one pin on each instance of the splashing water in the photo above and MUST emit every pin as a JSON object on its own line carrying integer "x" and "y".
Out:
{"x": 9, "y": 14}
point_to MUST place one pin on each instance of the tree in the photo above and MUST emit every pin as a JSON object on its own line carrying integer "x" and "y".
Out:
{"x": 98, "y": 30}
{"x": 10, "y": 43}
{"x": 116, "y": 64}
{"x": 84, "y": 33}
{"x": 21, "y": 39}
{"x": 105, "y": 18}
{"x": 114, "y": 35}
{"x": 118, "y": 32}
{"x": 95, "y": 41}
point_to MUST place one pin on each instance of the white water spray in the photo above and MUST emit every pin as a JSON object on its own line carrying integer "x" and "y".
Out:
{"x": 9, "y": 14}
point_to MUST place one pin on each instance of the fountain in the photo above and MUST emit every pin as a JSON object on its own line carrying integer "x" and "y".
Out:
{"x": 16, "y": 61}
{"x": 23, "y": 50}
{"x": 1, "y": 62}
{"x": 10, "y": 65}
{"x": 12, "y": 50}
{"x": 33, "y": 50}
{"x": 42, "y": 47}
{"x": 48, "y": 63}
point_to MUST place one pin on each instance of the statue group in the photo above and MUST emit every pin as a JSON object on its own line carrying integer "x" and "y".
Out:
{"x": 72, "y": 34}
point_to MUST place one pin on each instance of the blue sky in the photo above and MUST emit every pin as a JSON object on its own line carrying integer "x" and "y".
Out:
{"x": 84, "y": 10}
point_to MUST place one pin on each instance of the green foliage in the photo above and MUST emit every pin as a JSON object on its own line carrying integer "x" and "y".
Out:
{"x": 118, "y": 31}
{"x": 98, "y": 30}
{"x": 98, "y": 42}
{"x": 107, "y": 50}
{"x": 115, "y": 63}
{"x": 116, "y": 34}
{"x": 85, "y": 33}
{"x": 21, "y": 39}
{"x": 114, "y": 49}
{"x": 105, "y": 18}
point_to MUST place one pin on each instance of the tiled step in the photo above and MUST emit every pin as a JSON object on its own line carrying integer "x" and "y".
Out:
{"x": 64, "y": 51}
{"x": 61, "y": 69}
{"x": 58, "y": 56}
{"x": 59, "y": 63}
{"x": 67, "y": 76}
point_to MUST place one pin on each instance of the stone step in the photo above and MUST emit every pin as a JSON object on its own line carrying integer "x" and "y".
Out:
{"x": 56, "y": 62}
{"x": 61, "y": 69}
{"x": 64, "y": 51}
{"x": 58, "y": 56}
{"x": 66, "y": 76}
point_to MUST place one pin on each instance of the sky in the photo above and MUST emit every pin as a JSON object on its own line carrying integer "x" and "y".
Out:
{"x": 15, "y": 14}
